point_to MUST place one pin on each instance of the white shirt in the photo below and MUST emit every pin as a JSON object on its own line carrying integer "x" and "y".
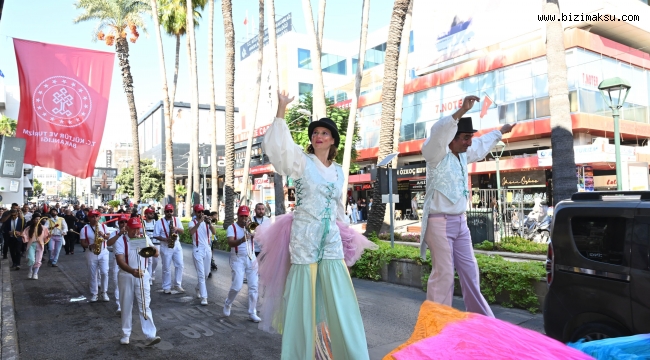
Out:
{"x": 290, "y": 160}
{"x": 436, "y": 147}
{"x": 88, "y": 233}
{"x": 149, "y": 228}
{"x": 238, "y": 233}
{"x": 28, "y": 216}
{"x": 62, "y": 229}
{"x": 202, "y": 235}
{"x": 128, "y": 247}
{"x": 161, "y": 227}
{"x": 259, "y": 221}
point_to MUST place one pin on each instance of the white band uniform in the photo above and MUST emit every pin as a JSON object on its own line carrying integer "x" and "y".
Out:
{"x": 168, "y": 255}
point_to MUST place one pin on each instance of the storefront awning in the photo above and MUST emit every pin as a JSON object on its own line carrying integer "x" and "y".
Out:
{"x": 359, "y": 178}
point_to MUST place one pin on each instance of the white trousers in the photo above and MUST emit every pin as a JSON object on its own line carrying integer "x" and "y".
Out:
{"x": 114, "y": 273}
{"x": 174, "y": 255}
{"x": 153, "y": 264}
{"x": 240, "y": 264}
{"x": 202, "y": 256}
{"x": 130, "y": 290}
{"x": 97, "y": 263}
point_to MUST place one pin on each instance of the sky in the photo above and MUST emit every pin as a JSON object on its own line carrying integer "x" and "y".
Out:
{"x": 50, "y": 21}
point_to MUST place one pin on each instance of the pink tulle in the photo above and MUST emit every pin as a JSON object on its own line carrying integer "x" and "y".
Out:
{"x": 482, "y": 337}
{"x": 275, "y": 262}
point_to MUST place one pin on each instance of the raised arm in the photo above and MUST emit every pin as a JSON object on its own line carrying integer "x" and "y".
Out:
{"x": 443, "y": 131}
{"x": 482, "y": 145}
{"x": 287, "y": 158}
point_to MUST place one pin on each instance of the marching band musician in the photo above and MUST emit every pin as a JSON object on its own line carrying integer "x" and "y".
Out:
{"x": 163, "y": 231}
{"x": 260, "y": 211}
{"x": 149, "y": 227}
{"x": 129, "y": 281}
{"x": 96, "y": 262}
{"x": 242, "y": 261}
{"x": 57, "y": 228}
{"x": 121, "y": 227}
{"x": 201, "y": 229}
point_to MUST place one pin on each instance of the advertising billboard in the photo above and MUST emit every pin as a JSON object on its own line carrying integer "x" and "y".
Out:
{"x": 103, "y": 179}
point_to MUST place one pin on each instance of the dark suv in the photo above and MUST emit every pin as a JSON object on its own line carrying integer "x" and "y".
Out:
{"x": 598, "y": 266}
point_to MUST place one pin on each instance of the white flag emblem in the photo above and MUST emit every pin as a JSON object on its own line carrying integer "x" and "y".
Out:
{"x": 62, "y": 101}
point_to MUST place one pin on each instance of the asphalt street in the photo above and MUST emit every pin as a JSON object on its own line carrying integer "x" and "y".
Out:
{"x": 54, "y": 322}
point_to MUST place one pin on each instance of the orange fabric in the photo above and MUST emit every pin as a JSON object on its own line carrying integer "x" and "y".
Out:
{"x": 432, "y": 319}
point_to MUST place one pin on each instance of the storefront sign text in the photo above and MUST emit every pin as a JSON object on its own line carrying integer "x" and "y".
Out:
{"x": 524, "y": 178}
{"x": 411, "y": 171}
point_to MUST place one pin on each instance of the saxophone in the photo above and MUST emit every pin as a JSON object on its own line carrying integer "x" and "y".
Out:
{"x": 172, "y": 238}
{"x": 98, "y": 241}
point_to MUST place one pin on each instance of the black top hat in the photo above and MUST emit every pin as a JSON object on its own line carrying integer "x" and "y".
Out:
{"x": 465, "y": 125}
{"x": 326, "y": 123}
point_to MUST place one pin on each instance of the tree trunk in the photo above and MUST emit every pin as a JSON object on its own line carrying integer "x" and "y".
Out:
{"x": 278, "y": 183}
{"x": 213, "y": 112}
{"x": 320, "y": 110}
{"x": 122, "y": 50}
{"x": 189, "y": 196}
{"x": 400, "y": 7}
{"x": 401, "y": 78}
{"x": 254, "y": 105}
{"x": 564, "y": 166}
{"x": 347, "y": 151}
{"x": 170, "y": 190}
{"x": 229, "y": 66}
{"x": 321, "y": 21}
{"x": 194, "y": 84}
{"x": 172, "y": 93}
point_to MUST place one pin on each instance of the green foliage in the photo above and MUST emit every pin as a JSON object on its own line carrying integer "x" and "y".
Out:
{"x": 513, "y": 244}
{"x": 220, "y": 244}
{"x": 498, "y": 276}
{"x": 114, "y": 203}
{"x": 181, "y": 190}
{"x": 37, "y": 188}
{"x": 401, "y": 237}
{"x": 7, "y": 126}
{"x": 151, "y": 180}
{"x": 298, "y": 125}
{"x": 172, "y": 15}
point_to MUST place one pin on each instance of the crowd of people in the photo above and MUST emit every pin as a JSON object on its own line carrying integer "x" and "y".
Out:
{"x": 358, "y": 210}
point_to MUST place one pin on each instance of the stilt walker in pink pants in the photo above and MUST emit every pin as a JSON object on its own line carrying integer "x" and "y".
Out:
{"x": 447, "y": 152}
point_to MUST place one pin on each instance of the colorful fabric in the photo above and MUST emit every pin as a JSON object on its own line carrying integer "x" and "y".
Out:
{"x": 442, "y": 332}
{"x": 635, "y": 347}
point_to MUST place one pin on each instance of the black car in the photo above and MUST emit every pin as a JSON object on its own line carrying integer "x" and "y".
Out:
{"x": 598, "y": 267}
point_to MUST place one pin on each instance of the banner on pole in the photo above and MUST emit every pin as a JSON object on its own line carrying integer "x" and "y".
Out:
{"x": 64, "y": 95}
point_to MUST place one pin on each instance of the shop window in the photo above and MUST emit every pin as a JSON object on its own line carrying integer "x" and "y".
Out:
{"x": 634, "y": 112}
{"x": 334, "y": 64}
{"x": 407, "y": 131}
{"x": 600, "y": 238}
{"x": 573, "y": 101}
{"x": 542, "y": 107}
{"x": 507, "y": 113}
{"x": 420, "y": 130}
{"x": 591, "y": 102}
{"x": 525, "y": 110}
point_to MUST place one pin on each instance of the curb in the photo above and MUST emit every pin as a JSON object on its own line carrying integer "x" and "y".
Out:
{"x": 9, "y": 335}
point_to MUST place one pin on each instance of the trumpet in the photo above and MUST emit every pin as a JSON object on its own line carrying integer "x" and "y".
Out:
{"x": 250, "y": 231}
{"x": 251, "y": 226}
{"x": 145, "y": 252}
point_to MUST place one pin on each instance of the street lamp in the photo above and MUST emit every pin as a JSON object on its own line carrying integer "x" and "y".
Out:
{"x": 496, "y": 153}
{"x": 204, "y": 169}
{"x": 619, "y": 88}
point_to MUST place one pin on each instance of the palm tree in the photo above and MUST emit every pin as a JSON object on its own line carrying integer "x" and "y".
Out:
{"x": 401, "y": 78}
{"x": 117, "y": 17}
{"x": 170, "y": 191}
{"x": 256, "y": 99}
{"x": 229, "y": 34}
{"x": 7, "y": 126}
{"x": 213, "y": 112}
{"x": 319, "y": 89}
{"x": 194, "y": 80}
{"x": 564, "y": 166}
{"x": 278, "y": 182}
{"x": 400, "y": 7}
{"x": 355, "y": 99}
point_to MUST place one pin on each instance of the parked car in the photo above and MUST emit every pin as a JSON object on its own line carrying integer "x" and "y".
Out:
{"x": 598, "y": 267}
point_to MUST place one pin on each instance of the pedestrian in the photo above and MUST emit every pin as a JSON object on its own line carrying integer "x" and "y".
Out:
{"x": 12, "y": 230}
{"x": 58, "y": 228}
{"x": 267, "y": 209}
{"x": 318, "y": 280}
{"x": 213, "y": 266}
{"x": 447, "y": 152}
{"x": 259, "y": 220}
{"x": 361, "y": 209}
{"x": 164, "y": 232}
{"x": 149, "y": 226}
{"x": 414, "y": 207}
{"x": 201, "y": 229}
{"x": 132, "y": 268}
{"x": 243, "y": 261}
{"x": 36, "y": 235}
{"x": 73, "y": 234}
{"x": 355, "y": 211}
{"x": 96, "y": 262}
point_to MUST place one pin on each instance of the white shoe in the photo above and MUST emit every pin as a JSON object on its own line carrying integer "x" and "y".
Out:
{"x": 150, "y": 283}
{"x": 105, "y": 297}
{"x": 226, "y": 310}
{"x": 167, "y": 291}
{"x": 152, "y": 341}
{"x": 124, "y": 340}
{"x": 198, "y": 293}
{"x": 29, "y": 274}
{"x": 118, "y": 312}
{"x": 180, "y": 289}
{"x": 94, "y": 299}
{"x": 254, "y": 318}
{"x": 204, "y": 301}
{"x": 35, "y": 277}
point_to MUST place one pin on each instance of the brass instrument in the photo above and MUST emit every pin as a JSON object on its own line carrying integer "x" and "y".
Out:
{"x": 172, "y": 238}
{"x": 49, "y": 234}
{"x": 251, "y": 227}
{"x": 250, "y": 231}
{"x": 99, "y": 239}
{"x": 146, "y": 252}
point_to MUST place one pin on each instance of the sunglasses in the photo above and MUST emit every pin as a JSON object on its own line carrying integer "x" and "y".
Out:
{"x": 169, "y": 211}
{"x": 122, "y": 222}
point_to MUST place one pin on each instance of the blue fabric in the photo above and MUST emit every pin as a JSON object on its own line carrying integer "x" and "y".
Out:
{"x": 635, "y": 347}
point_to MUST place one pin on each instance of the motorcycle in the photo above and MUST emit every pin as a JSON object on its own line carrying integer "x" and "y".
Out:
{"x": 534, "y": 230}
